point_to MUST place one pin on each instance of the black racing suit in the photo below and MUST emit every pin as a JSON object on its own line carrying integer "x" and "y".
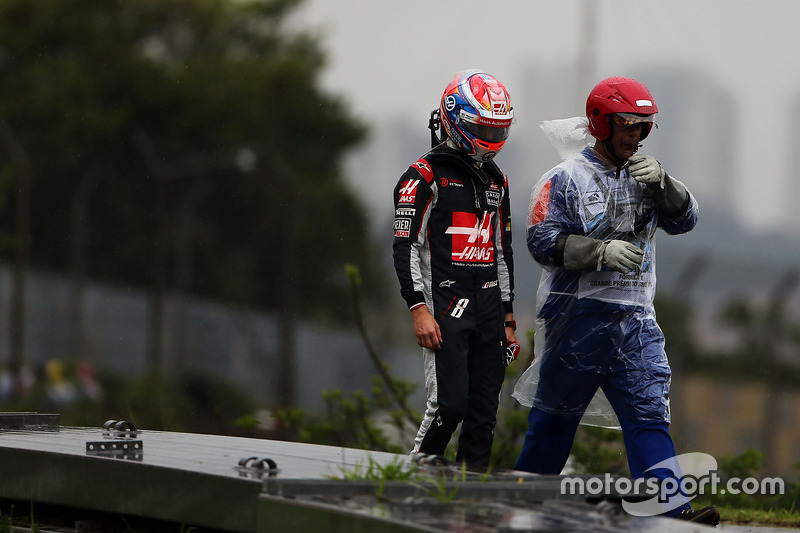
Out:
{"x": 452, "y": 252}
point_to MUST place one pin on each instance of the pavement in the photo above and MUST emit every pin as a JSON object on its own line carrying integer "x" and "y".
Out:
{"x": 262, "y": 486}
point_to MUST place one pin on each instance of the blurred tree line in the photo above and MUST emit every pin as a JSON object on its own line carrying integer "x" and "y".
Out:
{"x": 177, "y": 145}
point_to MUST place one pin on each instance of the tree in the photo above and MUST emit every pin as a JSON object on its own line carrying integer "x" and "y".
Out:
{"x": 182, "y": 144}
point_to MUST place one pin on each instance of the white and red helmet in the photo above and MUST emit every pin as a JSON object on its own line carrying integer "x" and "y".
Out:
{"x": 476, "y": 114}
{"x": 624, "y": 100}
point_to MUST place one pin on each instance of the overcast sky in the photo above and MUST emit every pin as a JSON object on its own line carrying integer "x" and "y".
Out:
{"x": 392, "y": 59}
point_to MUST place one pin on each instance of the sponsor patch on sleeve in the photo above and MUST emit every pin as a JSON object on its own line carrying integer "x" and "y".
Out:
{"x": 408, "y": 191}
{"x": 424, "y": 169}
{"x": 402, "y": 227}
{"x": 542, "y": 205}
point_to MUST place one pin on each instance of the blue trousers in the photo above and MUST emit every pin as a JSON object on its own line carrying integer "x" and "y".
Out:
{"x": 549, "y": 440}
{"x": 624, "y": 355}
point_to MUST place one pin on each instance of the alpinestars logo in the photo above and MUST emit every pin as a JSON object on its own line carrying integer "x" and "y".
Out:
{"x": 422, "y": 165}
{"x": 408, "y": 192}
{"x": 472, "y": 238}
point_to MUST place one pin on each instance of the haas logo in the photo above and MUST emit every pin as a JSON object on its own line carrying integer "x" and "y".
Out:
{"x": 408, "y": 192}
{"x": 472, "y": 238}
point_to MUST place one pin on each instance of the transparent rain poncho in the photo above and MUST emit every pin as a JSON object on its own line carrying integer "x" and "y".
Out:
{"x": 581, "y": 196}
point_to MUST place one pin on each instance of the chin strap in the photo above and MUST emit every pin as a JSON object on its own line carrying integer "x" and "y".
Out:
{"x": 612, "y": 154}
{"x": 434, "y": 124}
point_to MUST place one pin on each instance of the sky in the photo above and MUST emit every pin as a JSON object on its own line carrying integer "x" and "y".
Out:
{"x": 390, "y": 60}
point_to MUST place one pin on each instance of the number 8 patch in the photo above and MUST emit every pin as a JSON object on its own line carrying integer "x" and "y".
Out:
{"x": 458, "y": 310}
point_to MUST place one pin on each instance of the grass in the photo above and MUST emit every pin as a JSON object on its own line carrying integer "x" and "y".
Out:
{"x": 395, "y": 470}
{"x": 761, "y": 517}
{"x": 773, "y": 516}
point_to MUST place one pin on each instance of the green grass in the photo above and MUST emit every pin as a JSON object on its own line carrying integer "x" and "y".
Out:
{"x": 777, "y": 517}
{"x": 395, "y": 470}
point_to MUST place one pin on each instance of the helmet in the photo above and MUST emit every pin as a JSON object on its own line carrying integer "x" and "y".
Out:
{"x": 625, "y": 96}
{"x": 476, "y": 114}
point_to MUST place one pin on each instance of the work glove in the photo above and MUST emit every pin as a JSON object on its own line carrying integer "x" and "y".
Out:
{"x": 667, "y": 191}
{"x": 621, "y": 256}
{"x": 512, "y": 351}
{"x": 646, "y": 169}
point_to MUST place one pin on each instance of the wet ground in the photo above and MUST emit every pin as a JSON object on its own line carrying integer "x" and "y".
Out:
{"x": 254, "y": 485}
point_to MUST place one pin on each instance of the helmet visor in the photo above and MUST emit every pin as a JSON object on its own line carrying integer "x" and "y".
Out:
{"x": 625, "y": 120}
{"x": 485, "y": 132}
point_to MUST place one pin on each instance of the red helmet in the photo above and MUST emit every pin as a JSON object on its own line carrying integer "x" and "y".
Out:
{"x": 618, "y": 95}
{"x": 476, "y": 114}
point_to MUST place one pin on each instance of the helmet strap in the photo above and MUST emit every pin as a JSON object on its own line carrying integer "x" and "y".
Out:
{"x": 434, "y": 124}
{"x": 609, "y": 147}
